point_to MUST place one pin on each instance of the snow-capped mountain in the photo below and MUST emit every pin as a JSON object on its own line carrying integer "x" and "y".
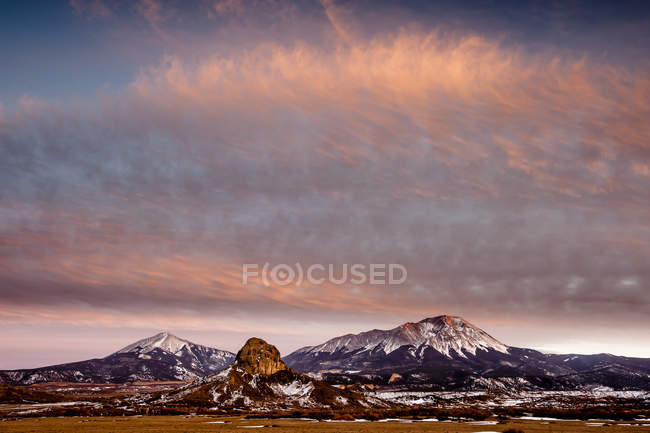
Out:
{"x": 190, "y": 360}
{"x": 445, "y": 334}
{"x": 411, "y": 343}
{"x": 164, "y": 340}
{"x": 159, "y": 358}
{"x": 447, "y": 352}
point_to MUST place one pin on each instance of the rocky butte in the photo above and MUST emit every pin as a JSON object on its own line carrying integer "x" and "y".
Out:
{"x": 260, "y": 380}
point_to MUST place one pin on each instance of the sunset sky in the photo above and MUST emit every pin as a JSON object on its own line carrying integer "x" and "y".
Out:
{"x": 498, "y": 150}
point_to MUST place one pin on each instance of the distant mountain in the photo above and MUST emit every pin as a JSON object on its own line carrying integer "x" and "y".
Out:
{"x": 448, "y": 352}
{"x": 409, "y": 343}
{"x": 259, "y": 379}
{"x": 159, "y": 358}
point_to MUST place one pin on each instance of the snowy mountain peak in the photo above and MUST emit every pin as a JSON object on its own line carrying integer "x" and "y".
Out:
{"x": 452, "y": 333}
{"x": 164, "y": 341}
{"x": 448, "y": 335}
{"x": 189, "y": 360}
{"x": 163, "y": 356}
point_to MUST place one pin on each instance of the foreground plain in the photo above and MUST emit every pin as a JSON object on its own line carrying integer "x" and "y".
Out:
{"x": 211, "y": 424}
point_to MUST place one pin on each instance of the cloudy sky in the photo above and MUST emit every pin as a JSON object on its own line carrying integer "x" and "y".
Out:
{"x": 500, "y": 151}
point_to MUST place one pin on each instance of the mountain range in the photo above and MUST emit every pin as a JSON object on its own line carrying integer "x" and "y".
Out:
{"x": 162, "y": 357}
{"x": 438, "y": 353}
{"x": 447, "y": 352}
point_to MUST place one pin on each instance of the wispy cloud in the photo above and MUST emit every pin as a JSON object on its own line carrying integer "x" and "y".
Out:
{"x": 508, "y": 179}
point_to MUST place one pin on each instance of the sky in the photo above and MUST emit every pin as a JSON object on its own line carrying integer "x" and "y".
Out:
{"x": 499, "y": 151}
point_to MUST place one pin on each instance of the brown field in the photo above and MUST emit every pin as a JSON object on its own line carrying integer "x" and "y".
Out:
{"x": 211, "y": 424}
{"x": 104, "y": 390}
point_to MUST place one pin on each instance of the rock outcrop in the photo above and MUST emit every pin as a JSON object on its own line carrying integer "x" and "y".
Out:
{"x": 260, "y": 380}
{"x": 259, "y": 357}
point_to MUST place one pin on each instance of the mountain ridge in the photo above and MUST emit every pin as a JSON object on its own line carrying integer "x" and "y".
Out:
{"x": 445, "y": 333}
{"x": 161, "y": 357}
{"x": 448, "y": 352}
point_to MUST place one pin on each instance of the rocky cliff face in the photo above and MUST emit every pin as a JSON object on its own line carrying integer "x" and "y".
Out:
{"x": 259, "y": 357}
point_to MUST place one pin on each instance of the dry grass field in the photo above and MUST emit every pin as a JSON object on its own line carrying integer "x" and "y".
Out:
{"x": 211, "y": 424}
